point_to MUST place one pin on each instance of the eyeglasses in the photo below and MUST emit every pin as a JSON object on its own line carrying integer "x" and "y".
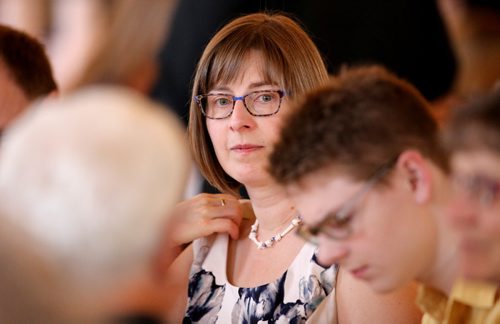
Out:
{"x": 258, "y": 103}
{"x": 478, "y": 187}
{"x": 337, "y": 225}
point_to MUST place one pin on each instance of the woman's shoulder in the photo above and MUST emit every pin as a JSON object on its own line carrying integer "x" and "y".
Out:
{"x": 210, "y": 253}
{"x": 306, "y": 267}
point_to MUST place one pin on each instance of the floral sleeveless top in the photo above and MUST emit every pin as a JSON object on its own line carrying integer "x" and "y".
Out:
{"x": 291, "y": 298}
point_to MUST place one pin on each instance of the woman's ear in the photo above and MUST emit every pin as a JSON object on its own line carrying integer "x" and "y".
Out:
{"x": 416, "y": 174}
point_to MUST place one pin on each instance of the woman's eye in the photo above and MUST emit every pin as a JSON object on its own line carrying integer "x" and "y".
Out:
{"x": 222, "y": 101}
{"x": 263, "y": 98}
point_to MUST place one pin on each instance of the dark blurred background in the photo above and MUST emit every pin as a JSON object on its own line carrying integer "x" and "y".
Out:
{"x": 406, "y": 36}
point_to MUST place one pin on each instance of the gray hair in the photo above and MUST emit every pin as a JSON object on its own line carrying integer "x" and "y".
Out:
{"x": 92, "y": 177}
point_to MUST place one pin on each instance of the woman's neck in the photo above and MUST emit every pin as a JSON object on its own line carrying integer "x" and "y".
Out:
{"x": 272, "y": 208}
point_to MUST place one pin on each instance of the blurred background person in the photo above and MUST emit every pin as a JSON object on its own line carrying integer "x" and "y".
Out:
{"x": 25, "y": 73}
{"x": 132, "y": 36}
{"x": 91, "y": 41}
{"x": 26, "y": 15}
{"x": 91, "y": 179}
{"x": 473, "y": 27}
{"x": 473, "y": 138}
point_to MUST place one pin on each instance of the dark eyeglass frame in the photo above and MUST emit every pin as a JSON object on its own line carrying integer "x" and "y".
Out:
{"x": 310, "y": 233}
{"x": 478, "y": 187}
{"x": 199, "y": 99}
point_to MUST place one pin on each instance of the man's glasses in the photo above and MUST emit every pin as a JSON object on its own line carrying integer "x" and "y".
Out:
{"x": 258, "y": 103}
{"x": 478, "y": 187}
{"x": 338, "y": 225}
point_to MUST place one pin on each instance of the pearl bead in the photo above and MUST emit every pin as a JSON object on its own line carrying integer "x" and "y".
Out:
{"x": 262, "y": 245}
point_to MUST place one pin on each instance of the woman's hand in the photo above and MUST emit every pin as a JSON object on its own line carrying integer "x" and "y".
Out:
{"x": 200, "y": 216}
{"x": 206, "y": 214}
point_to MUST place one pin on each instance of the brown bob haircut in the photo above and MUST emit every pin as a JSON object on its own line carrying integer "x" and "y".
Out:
{"x": 475, "y": 125}
{"x": 356, "y": 123}
{"x": 27, "y": 63}
{"x": 292, "y": 62}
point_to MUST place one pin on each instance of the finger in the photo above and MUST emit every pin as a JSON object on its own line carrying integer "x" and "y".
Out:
{"x": 218, "y": 199}
{"x": 230, "y": 210}
{"x": 223, "y": 225}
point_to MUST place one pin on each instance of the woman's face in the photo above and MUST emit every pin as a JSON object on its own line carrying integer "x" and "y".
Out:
{"x": 243, "y": 142}
{"x": 390, "y": 237}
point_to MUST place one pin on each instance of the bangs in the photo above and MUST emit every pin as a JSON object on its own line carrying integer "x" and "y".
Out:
{"x": 230, "y": 59}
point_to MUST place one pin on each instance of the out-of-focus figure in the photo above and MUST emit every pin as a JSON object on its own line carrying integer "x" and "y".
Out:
{"x": 25, "y": 73}
{"x": 474, "y": 31}
{"x": 473, "y": 137}
{"x": 91, "y": 179}
{"x": 133, "y": 32}
{"x": 93, "y": 41}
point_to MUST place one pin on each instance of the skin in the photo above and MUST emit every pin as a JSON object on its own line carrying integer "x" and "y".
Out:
{"x": 13, "y": 101}
{"x": 242, "y": 144}
{"x": 477, "y": 226}
{"x": 397, "y": 218}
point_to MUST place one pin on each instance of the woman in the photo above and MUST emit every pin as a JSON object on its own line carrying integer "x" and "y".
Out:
{"x": 246, "y": 79}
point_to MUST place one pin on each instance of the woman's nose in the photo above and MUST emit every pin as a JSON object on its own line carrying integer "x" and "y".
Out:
{"x": 241, "y": 117}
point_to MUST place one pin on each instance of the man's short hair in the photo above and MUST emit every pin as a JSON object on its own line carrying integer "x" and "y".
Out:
{"x": 27, "y": 62}
{"x": 357, "y": 122}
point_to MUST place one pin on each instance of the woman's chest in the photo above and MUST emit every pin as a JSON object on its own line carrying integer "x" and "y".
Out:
{"x": 248, "y": 266}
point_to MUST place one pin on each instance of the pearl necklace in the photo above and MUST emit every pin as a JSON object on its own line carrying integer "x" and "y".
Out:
{"x": 276, "y": 238}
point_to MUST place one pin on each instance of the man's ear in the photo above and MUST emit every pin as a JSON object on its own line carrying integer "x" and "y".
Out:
{"x": 416, "y": 174}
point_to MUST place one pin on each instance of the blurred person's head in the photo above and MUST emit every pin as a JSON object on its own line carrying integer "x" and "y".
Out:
{"x": 25, "y": 73}
{"x": 92, "y": 178}
{"x": 275, "y": 48}
{"x": 473, "y": 138}
{"x": 362, "y": 163}
{"x": 133, "y": 34}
